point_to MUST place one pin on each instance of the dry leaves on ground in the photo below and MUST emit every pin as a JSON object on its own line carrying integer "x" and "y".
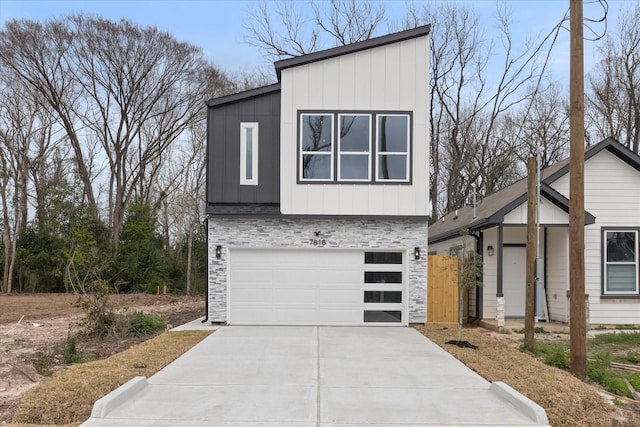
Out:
{"x": 69, "y": 396}
{"x": 567, "y": 400}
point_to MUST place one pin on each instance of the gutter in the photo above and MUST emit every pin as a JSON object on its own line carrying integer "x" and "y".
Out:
{"x": 205, "y": 224}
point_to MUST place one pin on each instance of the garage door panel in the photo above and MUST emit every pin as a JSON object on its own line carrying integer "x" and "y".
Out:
{"x": 253, "y": 295}
{"x": 339, "y": 296}
{"x": 295, "y": 295}
{"x": 250, "y": 274}
{"x": 299, "y": 287}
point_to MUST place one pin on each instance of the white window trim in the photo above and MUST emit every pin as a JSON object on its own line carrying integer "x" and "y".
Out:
{"x": 606, "y": 263}
{"x": 243, "y": 153}
{"x": 329, "y": 153}
{"x": 354, "y": 153}
{"x": 394, "y": 153}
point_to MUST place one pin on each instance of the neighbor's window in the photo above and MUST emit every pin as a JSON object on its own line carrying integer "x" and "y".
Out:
{"x": 248, "y": 153}
{"x": 354, "y": 145}
{"x": 316, "y": 150}
{"x": 392, "y": 147}
{"x": 620, "y": 255}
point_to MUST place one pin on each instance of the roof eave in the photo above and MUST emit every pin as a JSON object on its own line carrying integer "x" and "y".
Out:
{"x": 251, "y": 93}
{"x": 351, "y": 48}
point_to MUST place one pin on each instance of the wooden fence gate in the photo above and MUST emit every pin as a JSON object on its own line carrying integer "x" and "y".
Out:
{"x": 442, "y": 289}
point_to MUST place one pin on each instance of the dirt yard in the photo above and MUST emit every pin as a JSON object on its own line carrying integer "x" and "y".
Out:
{"x": 36, "y": 326}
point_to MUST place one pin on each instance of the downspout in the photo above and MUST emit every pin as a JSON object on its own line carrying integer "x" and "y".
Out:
{"x": 479, "y": 245}
{"x": 205, "y": 223}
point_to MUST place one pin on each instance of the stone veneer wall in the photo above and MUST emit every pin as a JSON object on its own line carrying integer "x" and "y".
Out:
{"x": 299, "y": 233}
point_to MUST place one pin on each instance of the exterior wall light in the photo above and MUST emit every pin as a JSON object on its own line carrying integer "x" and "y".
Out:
{"x": 490, "y": 250}
{"x": 416, "y": 252}
{"x": 218, "y": 251}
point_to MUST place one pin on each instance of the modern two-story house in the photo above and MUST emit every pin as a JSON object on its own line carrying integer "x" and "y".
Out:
{"x": 317, "y": 190}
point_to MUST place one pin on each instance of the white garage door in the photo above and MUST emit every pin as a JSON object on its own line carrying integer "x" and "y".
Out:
{"x": 316, "y": 287}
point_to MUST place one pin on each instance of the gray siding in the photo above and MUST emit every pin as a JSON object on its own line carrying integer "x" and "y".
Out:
{"x": 223, "y": 140}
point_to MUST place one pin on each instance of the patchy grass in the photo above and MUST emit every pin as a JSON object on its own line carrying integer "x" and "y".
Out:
{"x": 69, "y": 395}
{"x": 554, "y": 353}
{"x": 567, "y": 400}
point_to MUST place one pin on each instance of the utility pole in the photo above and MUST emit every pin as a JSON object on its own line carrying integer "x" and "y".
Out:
{"x": 532, "y": 250}
{"x": 577, "y": 309}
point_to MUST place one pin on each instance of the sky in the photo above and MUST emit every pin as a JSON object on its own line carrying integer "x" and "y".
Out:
{"x": 217, "y": 25}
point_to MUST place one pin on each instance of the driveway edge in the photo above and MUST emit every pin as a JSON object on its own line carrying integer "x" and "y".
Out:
{"x": 108, "y": 403}
{"x": 523, "y": 403}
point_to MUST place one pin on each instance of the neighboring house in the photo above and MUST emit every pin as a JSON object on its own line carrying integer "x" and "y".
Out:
{"x": 612, "y": 231}
{"x": 317, "y": 190}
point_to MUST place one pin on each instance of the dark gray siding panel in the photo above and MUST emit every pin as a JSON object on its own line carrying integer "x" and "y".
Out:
{"x": 223, "y": 139}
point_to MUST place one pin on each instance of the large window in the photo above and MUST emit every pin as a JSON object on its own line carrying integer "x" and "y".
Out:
{"x": 354, "y": 147}
{"x": 248, "y": 153}
{"x": 620, "y": 261}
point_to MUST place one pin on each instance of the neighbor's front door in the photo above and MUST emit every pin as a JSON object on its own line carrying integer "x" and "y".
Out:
{"x": 514, "y": 279}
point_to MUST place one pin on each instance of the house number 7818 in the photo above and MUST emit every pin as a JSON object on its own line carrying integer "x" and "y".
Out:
{"x": 317, "y": 242}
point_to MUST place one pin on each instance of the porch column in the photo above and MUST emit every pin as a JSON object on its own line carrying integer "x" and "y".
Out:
{"x": 500, "y": 294}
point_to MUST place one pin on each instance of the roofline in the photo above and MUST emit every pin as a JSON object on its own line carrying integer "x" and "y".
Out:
{"x": 243, "y": 95}
{"x": 610, "y": 144}
{"x": 498, "y": 217}
{"x": 351, "y": 48}
{"x": 484, "y": 223}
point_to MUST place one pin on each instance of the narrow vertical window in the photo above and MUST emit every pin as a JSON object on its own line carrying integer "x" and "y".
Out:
{"x": 316, "y": 147}
{"x": 392, "y": 161}
{"x": 248, "y": 153}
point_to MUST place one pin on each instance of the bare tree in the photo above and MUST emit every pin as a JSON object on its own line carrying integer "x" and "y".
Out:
{"x": 143, "y": 88}
{"x": 542, "y": 125}
{"x": 295, "y": 32}
{"x": 613, "y": 99}
{"x": 39, "y": 55}
{"x": 474, "y": 82}
{"x": 25, "y": 136}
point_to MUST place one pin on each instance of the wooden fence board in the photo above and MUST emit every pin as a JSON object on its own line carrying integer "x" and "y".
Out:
{"x": 442, "y": 289}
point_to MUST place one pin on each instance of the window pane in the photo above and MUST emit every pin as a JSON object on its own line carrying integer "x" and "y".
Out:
{"x": 382, "y": 277}
{"x": 316, "y": 133}
{"x": 392, "y": 167}
{"x": 354, "y": 133}
{"x": 249, "y": 157}
{"x": 394, "y": 316}
{"x": 621, "y": 278}
{"x": 316, "y": 166}
{"x": 621, "y": 246}
{"x": 383, "y": 257}
{"x": 393, "y": 134}
{"x": 383, "y": 296}
{"x": 354, "y": 166}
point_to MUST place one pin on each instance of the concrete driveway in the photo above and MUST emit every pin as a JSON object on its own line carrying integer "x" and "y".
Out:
{"x": 315, "y": 376}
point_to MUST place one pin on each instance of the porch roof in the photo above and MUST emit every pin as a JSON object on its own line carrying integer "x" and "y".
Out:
{"x": 492, "y": 209}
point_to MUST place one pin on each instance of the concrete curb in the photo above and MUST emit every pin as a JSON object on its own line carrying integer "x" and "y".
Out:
{"x": 526, "y": 405}
{"x": 195, "y": 325}
{"x": 108, "y": 403}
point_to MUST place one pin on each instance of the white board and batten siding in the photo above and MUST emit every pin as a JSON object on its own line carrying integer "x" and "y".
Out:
{"x": 392, "y": 77}
{"x": 612, "y": 195}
